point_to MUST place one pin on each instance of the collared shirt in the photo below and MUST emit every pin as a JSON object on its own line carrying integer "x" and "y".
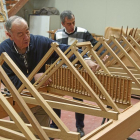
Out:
{"x": 17, "y": 50}
{"x": 23, "y": 56}
{"x": 68, "y": 32}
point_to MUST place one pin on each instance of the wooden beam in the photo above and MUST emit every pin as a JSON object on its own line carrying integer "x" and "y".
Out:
{"x": 13, "y": 114}
{"x": 76, "y": 108}
{"x": 127, "y": 124}
{"x": 17, "y": 7}
{"x": 51, "y": 132}
{"x": 8, "y": 133}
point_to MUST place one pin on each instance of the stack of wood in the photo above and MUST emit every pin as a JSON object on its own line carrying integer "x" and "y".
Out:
{"x": 13, "y": 6}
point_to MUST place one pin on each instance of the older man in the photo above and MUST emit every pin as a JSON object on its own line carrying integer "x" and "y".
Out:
{"x": 26, "y": 50}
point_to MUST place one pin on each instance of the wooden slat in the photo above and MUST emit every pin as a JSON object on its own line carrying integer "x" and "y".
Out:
{"x": 103, "y": 78}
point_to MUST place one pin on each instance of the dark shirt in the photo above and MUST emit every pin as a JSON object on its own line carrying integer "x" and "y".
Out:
{"x": 38, "y": 47}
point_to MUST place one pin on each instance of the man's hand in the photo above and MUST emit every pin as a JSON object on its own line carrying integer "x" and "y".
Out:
{"x": 91, "y": 64}
{"x": 105, "y": 57}
{"x": 103, "y": 60}
{"x": 38, "y": 75}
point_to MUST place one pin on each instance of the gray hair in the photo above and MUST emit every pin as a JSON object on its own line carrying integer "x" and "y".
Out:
{"x": 66, "y": 13}
{"x": 8, "y": 23}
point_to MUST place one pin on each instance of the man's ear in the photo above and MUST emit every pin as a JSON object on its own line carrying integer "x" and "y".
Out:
{"x": 9, "y": 35}
{"x": 62, "y": 23}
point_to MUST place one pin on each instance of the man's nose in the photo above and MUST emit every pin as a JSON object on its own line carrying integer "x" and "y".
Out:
{"x": 72, "y": 25}
{"x": 26, "y": 36}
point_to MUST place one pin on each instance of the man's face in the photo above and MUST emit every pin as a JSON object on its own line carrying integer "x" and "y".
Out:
{"x": 20, "y": 34}
{"x": 69, "y": 24}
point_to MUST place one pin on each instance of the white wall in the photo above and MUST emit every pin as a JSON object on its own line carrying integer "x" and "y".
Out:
{"x": 96, "y": 15}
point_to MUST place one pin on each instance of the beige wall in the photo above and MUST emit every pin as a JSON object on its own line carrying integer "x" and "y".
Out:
{"x": 26, "y": 10}
{"x": 94, "y": 15}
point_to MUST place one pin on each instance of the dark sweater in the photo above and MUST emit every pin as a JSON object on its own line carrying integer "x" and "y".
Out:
{"x": 38, "y": 47}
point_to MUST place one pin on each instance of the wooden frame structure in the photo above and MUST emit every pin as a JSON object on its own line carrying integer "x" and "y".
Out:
{"x": 123, "y": 58}
{"x": 116, "y": 65}
{"x": 49, "y": 101}
{"x": 65, "y": 83}
{"x": 124, "y": 49}
{"x": 37, "y": 95}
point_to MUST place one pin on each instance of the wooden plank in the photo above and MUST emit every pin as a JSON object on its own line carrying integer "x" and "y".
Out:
{"x": 76, "y": 108}
{"x": 71, "y": 94}
{"x": 11, "y": 134}
{"x": 56, "y": 133}
{"x": 4, "y": 114}
{"x": 13, "y": 114}
{"x": 100, "y": 128}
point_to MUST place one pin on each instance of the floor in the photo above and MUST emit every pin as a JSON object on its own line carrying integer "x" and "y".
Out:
{"x": 91, "y": 122}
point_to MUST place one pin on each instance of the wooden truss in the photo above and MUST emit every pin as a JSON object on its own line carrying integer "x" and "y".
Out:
{"x": 79, "y": 84}
{"x": 123, "y": 58}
